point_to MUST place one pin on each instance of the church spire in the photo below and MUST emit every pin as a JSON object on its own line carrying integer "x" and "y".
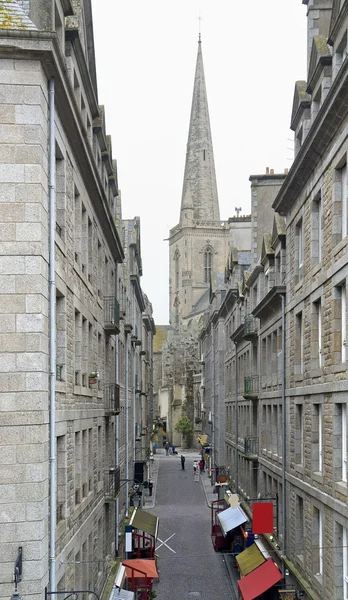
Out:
{"x": 199, "y": 200}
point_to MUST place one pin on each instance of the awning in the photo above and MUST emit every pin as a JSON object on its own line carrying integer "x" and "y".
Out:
{"x": 249, "y": 560}
{"x": 231, "y": 518}
{"x": 263, "y": 549}
{"x": 120, "y": 576}
{"x": 259, "y": 580}
{"x": 141, "y": 567}
{"x": 118, "y": 594}
{"x": 144, "y": 521}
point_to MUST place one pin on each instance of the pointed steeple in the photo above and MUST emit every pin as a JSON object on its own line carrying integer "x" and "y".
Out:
{"x": 199, "y": 200}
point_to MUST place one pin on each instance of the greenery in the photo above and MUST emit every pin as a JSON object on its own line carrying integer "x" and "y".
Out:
{"x": 184, "y": 426}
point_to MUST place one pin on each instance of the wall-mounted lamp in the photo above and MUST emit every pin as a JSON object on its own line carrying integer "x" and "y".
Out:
{"x": 17, "y": 574}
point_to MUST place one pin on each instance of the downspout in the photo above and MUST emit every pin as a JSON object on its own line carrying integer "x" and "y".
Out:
{"x": 212, "y": 464}
{"x": 236, "y": 418}
{"x": 283, "y": 437}
{"x": 52, "y": 338}
{"x": 127, "y": 425}
{"x": 116, "y": 452}
{"x": 134, "y": 378}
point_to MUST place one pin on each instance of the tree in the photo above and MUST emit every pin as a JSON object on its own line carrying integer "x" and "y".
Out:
{"x": 184, "y": 426}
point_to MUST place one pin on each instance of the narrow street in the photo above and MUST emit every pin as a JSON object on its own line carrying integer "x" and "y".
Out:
{"x": 188, "y": 565}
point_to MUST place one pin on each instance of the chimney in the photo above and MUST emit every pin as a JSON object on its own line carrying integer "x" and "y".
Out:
{"x": 272, "y": 172}
{"x": 286, "y": 171}
{"x": 318, "y": 21}
{"x": 267, "y": 170}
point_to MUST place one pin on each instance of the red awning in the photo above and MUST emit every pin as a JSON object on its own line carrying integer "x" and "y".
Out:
{"x": 259, "y": 580}
{"x": 141, "y": 567}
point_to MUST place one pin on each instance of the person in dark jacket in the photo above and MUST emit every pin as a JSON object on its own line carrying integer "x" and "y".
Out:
{"x": 182, "y": 458}
{"x": 150, "y": 488}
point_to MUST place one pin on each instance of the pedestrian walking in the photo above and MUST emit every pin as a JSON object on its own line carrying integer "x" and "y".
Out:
{"x": 166, "y": 445}
{"x": 195, "y": 465}
{"x": 201, "y": 466}
{"x": 182, "y": 458}
{"x": 173, "y": 448}
{"x": 150, "y": 488}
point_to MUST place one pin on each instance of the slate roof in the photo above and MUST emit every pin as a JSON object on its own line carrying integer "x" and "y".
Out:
{"x": 12, "y": 16}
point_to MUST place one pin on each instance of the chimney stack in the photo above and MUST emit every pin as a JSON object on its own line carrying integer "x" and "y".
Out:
{"x": 267, "y": 170}
{"x": 286, "y": 171}
{"x": 272, "y": 172}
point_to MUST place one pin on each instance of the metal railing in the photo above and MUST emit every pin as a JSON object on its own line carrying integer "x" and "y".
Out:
{"x": 112, "y": 483}
{"x": 111, "y": 313}
{"x": 251, "y": 386}
{"x": 250, "y": 327}
{"x": 112, "y": 398}
{"x": 251, "y": 446}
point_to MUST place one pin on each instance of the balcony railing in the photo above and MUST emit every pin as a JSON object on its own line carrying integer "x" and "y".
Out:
{"x": 251, "y": 447}
{"x": 251, "y": 387}
{"x": 112, "y": 398}
{"x": 250, "y": 328}
{"x": 111, "y": 314}
{"x": 112, "y": 483}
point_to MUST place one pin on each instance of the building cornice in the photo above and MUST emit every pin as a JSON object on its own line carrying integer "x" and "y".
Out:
{"x": 138, "y": 292}
{"x": 270, "y": 303}
{"x": 328, "y": 120}
{"x": 47, "y": 50}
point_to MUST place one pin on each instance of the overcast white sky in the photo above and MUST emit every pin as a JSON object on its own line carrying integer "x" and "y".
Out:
{"x": 253, "y": 52}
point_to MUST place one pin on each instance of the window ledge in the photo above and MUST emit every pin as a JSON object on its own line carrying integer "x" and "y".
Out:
{"x": 340, "y": 246}
{"x": 299, "y": 468}
{"x": 318, "y": 476}
{"x": 79, "y": 390}
{"x": 298, "y": 377}
{"x": 298, "y": 285}
{"x": 60, "y": 386}
{"x": 316, "y": 269}
{"x": 339, "y": 368}
{"x": 341, "y": 487}
{"x": 315, "y": 373}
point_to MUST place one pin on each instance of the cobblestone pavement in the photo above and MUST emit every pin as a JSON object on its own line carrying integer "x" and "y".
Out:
{"x": 189, "y": 567}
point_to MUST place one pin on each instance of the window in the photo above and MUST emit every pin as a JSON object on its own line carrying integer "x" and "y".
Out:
{"x": 316, "y": 335}
{"x": 317, "y": 541}
{"x": 176, "y": 270}
{"x": 317, "y": 438}
{"x": 343, "y": 178}
{"x": 340, "y": 442}
{"x": 208, "y": 259}
{"x": 60, "y": 193}
{"x": 344, "y": 440}
{"x": 299, "y": 454}
{"x": 299, "y": 342}
{"x": 345, "y": 562}
{"x": 317, "y": 231}
{"x": 343, "y": 322}
{"x": 299, "y": 249}
{"x": 299, "y": 527}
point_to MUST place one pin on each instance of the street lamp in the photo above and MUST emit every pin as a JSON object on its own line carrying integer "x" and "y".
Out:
{"x": 17, "y": 574}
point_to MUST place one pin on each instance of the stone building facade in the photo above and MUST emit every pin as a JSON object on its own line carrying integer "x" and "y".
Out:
{"x": 42, "y": 42}
{"x": 298, "y": 278}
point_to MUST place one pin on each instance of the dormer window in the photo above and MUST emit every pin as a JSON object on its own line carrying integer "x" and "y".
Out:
{"x": 316, "y": 104}
{"x": 340, "y": 54}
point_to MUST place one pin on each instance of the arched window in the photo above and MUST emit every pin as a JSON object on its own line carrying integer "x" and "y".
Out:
{"x": 176, "y": 270}
{"x": 208, "y": 260}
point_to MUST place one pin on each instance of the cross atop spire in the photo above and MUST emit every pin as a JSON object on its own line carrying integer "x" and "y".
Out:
{"x": 199, "y": 200}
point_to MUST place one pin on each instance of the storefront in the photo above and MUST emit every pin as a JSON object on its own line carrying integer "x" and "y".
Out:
{"x": 259, "y": 575}
{"x": 144, "y": 534}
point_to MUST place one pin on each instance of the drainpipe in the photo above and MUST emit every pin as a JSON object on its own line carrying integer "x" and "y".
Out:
{"x": 127, "y": 425}
{"x": 236, "y": 417}
{"x": 134, "y": 377}
{"x": 116, "y": 453}
{"x": 212, "y": 464}
{"x": 283, "y": 437}
{"x": 52, "y": 338}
